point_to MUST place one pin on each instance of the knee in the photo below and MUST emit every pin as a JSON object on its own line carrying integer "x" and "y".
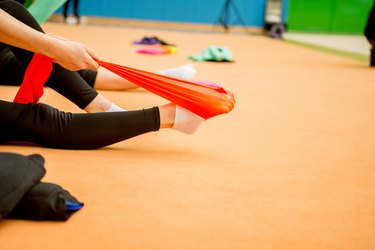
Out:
{"x": 19, "y": 12}
{"x": 10, "y": 6}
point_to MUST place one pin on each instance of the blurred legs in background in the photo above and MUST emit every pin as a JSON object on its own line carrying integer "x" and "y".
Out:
{"x": 75, "y": 9}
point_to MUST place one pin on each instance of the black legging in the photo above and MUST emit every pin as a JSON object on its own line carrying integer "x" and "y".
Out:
{"x": 76, "y": 90}
{"x": 44, "y": 125}
{"x": 49, "y": 127}
{"x": 75, "y": 8}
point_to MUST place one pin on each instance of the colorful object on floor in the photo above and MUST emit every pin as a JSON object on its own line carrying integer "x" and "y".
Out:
{"x": 185, "y": 72}
{"x": 36, "y": 75}
{"x": 158, "y": 50}
{"x": 41, "y": 10}
{"x": 208, "y": 83}
{"x": 214, "y": 54}
{"x": 73, "y": 205}
{"x": 203, "y": 100}
{"x": 151, "y": 40}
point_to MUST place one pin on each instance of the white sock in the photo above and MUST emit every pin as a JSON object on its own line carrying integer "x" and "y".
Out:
{"x": 115, "y": 108}
{"x": 185, "y": 121}
{"x": 185, "y": 72}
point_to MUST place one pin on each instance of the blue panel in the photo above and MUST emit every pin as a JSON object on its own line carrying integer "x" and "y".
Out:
{"x": 190, "y": 11}
{"x": 285, "y": 11}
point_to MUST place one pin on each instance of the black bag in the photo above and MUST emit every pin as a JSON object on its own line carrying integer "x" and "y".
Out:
{"x": 46, "y": 201}
{"x": 23, "y": 196}
{"x": 18, "y": 174}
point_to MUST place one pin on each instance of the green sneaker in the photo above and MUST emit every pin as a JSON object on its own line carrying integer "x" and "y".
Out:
{"x": 215, "y": 54}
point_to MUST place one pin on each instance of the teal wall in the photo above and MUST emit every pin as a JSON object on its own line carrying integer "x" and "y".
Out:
{"x": 190, "y": 11}
{"x": 329, "y": 16}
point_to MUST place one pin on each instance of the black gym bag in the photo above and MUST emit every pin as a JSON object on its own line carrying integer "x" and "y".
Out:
{"x": 23, "y": 196}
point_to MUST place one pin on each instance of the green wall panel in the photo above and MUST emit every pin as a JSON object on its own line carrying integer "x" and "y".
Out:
{"x": 350, "y": 16}
{"x": 329, "y": 16}
{"x": 310, "y": 15}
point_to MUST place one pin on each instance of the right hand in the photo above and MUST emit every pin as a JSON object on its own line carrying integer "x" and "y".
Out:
{"x": 73, "y": 55}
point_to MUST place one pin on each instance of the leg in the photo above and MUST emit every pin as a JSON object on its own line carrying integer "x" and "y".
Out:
{"x": 11, "y": 70}
{"x": 21, "y": 1}
{"x": 76, "y": 9}
{"x": 106, "y": 80}
{"x": 44, "y": 125}
{"x": 41, "y": 124}
{"x": 65, "y": 11}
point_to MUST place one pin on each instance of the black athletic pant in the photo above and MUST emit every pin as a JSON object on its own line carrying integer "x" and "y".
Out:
{"x": 79, "y": 90}
{"x": 75, "y": 8}
{"x": 44, "y": 125}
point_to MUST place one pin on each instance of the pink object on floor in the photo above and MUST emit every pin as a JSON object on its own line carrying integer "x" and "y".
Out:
{"x": 208, "y": 83}
{"x": 151, "y": 51}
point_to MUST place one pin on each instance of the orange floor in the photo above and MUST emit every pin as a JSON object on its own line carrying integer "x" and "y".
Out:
{"x": 291, "y": 167}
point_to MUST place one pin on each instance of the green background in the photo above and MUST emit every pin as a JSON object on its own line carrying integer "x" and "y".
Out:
{"x": 329, "y": 16}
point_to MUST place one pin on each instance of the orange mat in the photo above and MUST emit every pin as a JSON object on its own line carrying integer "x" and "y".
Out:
{"x": 291, "y": 167}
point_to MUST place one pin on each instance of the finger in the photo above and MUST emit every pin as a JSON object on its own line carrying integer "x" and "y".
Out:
{"x": 92, "y": 53}
{"x": 93, "y": 58}
{"x": 95, "y": 66}
{"x": 92, "y": 64}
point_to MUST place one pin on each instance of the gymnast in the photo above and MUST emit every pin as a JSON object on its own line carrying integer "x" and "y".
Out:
{"x": 79, "y": 90}
{"x": 44, "y": 125}
{"x": 12, "y": 72}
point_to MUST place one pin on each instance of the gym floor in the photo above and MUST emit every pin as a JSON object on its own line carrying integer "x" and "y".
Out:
{"x": 357, "y": 44}
{"x": 291, "y": 167}
{"x": 352, "y": 46}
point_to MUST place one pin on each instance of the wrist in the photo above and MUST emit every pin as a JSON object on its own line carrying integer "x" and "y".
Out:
{"x": 49, "y": 46}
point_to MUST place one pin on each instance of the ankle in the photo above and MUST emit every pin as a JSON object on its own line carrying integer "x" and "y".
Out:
{"x": 99, "y": 104}
{"x": 167, "y": 115}
{"x": 186, "y": 121}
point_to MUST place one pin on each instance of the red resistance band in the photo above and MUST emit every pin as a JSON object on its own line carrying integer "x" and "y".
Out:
{"x": 203, "y": 100}
{"x": 36, "y": 75}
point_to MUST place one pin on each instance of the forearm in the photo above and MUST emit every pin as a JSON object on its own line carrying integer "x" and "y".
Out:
{"x": 15, "y": 33}
{"x": 69, "y": 54}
